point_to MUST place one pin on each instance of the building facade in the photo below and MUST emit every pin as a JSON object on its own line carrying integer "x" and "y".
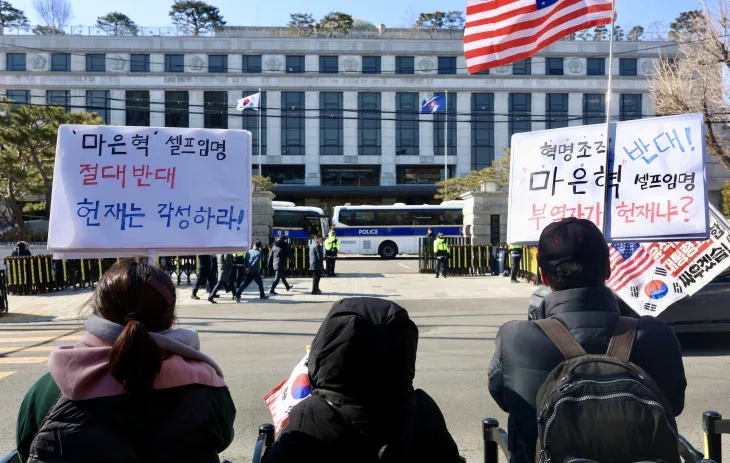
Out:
{"x": 341, "y": 118}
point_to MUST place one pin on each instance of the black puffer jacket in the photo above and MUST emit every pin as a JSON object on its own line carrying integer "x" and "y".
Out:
{"x": 281, "y": 252}
{"x": 524, "y": 356}
{"x": 361, "y": 367}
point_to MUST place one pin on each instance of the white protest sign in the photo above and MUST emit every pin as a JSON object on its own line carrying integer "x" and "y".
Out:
{"x": 556, "y": 174}
{"x": 663, "y": 186}
{"x": 145, "y": 188}
{"x": 656, "y": 186}
{"x": 671, "y": 271}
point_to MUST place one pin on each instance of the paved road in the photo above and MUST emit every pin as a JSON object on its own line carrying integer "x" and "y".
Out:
{"x": 399, "y": 265}
{"x": 258, "y": 344}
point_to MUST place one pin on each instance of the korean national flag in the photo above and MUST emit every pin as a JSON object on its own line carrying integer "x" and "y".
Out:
{"x": 249, "y": 102}
{"x": 434, "y": 105}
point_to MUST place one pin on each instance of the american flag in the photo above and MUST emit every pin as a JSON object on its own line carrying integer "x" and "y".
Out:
{"x": 628, "y": 261}
{"x": 504, "y": 31}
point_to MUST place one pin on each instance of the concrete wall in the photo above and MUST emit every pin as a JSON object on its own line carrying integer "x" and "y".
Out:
{"x": 478, "y": 210}
{"x": 263, "y": 216}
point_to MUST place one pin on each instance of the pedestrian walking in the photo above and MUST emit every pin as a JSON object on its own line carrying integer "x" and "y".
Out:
{"x": 441, "y": 250}
{"x": 316, "y": 259}
{"x": 204, "y": 270}
{"x": 252, "y": 263}
{"x": 279, "y": 257}
{"x": 238, "y": 273}
{"x": 331, "y": 249}
{"x": 516, "y": 255}
{"x": 225, "y": 266}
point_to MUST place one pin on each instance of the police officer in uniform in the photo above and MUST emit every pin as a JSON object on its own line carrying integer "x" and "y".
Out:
{"x": 331, "y": 248}
{"x": 441, "y": 251}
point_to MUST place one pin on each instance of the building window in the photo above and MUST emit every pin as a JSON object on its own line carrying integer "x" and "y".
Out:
{"x": 174, "y": 63}
{"x": 292, "y": 123}
{"x": 406, "y": 124}
{"x": 439, "y": 127}
{"x": 596, "y": 67}
{"x": 285, "y": 175}
{"x": 96, "y": 62}
{"x": 628, "y": 67}
{"x": 630, "y": 106}
{"x": 421, "y": 175}
{"x": 215, "y": 110}
{"x": 554, "y": 66}
{"x": 404, "y": 65}
{"x": 251, "y": 123}
{"x": 16, "y": 62}
{"x": 295, "y": 64}
{"x": 594, "y": 108}
{"x": 61, "y": 98}
{"x": 252, "y": 64}
{"x": 369, "y": 125}
{"x": 218, "y": 63}
{"x": 19, "y": 97}
{"x": 139, "y": 63}
{"x": 97, "y": 101}
{"x": 522, "y": 68}
{"x": 350, "y": 176}
{"x": 329, "y": 65}
{"x": 557, "y": 110}
{"x": 330, "y": 124}
{"x": 520, "y": 108}
{"x": 482, "y": 130}
{"x": 177, "y": 109}
{"x": 371, "y": 64}
{"x": 137, "y": 108}
{"x": 60, "y": 62}
{"x": 447, "y": 65}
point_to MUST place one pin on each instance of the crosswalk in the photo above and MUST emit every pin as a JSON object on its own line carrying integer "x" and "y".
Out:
{"x": 20, "y": 348}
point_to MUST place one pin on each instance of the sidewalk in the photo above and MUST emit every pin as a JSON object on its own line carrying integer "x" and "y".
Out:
{"x": 68, "y": 305}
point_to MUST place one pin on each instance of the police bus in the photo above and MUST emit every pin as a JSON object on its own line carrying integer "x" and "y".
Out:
{"x": 298, "y": 222}
{"x": 391, "y": 230}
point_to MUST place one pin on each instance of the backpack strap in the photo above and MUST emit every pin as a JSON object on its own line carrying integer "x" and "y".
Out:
{"x": 623, "y": 338}
{"x": 561, "y": 337}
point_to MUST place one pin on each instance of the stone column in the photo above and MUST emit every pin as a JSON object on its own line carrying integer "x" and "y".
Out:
{"x": 157, "y": 108}
{"x": 387, "y": 138}
{"x": 78, "y": 100}
{"x": 575, "y": 108}
{"x": 117, "y": 105}
{"x": 262, "y": 217}
{"x": 479, "y": 207}
{"x": 196, "y": 109}
{"x": 539, "y": 110}
{"x": 350, "y": 123}
{"x": 273, "y": 123}
{"x": 501, "y": 126}
{"x": 311, "y": 135}
{"x": 463, "y": 134}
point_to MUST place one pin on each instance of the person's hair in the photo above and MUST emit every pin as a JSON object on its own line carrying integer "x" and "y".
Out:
{"x": 257, "y": 244}
{"x": 317, "y": 237}
{"x": 22, "y": 245}
{"x": 573, "y": 275}
{"x": 142, "y": 299}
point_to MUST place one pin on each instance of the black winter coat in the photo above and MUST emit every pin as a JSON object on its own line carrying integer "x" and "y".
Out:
{"x": 361, "y": 367}
{"x": 524, "y": 356}
{"x": 280, "y": 253}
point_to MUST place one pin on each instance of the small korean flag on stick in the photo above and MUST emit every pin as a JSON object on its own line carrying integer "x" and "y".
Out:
{"x": 249, "y": 102}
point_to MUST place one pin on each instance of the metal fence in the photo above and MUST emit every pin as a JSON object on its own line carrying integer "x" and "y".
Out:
{"x": 43, "y": 274}
{"x": 3, "y": 292}
{"x": 466, "y": 259}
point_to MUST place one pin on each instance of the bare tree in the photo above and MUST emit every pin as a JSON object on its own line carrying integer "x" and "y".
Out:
{"x": 55, "y": 13}
{"x": 693, "y": 83}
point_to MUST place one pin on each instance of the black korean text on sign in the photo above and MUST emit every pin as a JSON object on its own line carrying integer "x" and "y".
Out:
{"x": 669, "y": 180}
{"x": 97, "y": 142}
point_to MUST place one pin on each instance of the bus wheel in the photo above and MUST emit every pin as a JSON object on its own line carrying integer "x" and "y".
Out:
{"x": 388, "y": 250}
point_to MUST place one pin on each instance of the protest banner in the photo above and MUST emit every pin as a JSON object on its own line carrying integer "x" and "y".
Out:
{"x": 650, "y": 277}
{"x": 290, "y": 392}
{"x": 125, "y": 191}
{"x": 649, "y": 189}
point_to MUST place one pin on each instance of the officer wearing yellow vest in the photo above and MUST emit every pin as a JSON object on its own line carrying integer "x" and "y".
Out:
{"x": 441, "y": 251}
{"x": 516, "y": 255}
{"x": 331, "y": 247}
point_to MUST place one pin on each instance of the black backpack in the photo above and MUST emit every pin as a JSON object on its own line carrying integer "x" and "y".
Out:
{"x": 602, "y": 408}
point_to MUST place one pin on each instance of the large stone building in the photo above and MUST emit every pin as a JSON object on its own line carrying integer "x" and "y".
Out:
{"x": 341, "y": 120}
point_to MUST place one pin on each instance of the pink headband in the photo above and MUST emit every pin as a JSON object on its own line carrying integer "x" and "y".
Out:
{"x": 160, "y": 288}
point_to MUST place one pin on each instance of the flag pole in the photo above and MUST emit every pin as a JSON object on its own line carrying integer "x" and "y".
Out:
{"x": 446, "y": 140}
{"x": 261, "y": 172}
{"x": 606, "y": 189}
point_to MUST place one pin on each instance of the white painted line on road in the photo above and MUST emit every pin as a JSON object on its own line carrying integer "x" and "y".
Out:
{"x": 403, "y": 265}
{"x": 5, "y": 374}
{"x": 14, "y": 360}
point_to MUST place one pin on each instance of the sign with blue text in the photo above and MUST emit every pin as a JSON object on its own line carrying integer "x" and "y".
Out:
{"x": 650, "y": 187}
{"x": 132, "y": 190}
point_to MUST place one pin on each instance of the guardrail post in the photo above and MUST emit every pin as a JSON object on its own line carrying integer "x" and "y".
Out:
{"x": 713, "y": 438}
{"x": 491, "y": 449}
